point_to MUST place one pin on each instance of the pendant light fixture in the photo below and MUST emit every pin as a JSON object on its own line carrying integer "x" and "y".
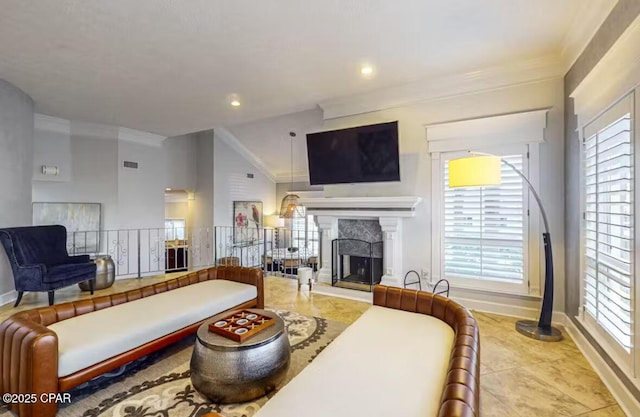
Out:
{"x": 290, "y": 206}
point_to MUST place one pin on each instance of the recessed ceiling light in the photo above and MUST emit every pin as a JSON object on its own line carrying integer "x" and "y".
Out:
{"x": 366, "y": 70}
{"x": 235, "y": 103}
{"x": 167, "y": 189}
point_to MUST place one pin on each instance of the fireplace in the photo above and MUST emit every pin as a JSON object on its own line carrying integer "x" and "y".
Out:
{"x": 387, "y": 213}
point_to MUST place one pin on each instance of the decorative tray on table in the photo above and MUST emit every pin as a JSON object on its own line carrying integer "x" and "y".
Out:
{"x": 241, "y": 325}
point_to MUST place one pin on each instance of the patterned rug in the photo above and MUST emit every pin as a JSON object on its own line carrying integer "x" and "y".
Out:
{"x": 159, "y": 385}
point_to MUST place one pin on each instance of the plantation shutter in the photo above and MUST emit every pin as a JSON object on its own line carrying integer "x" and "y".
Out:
{"x": 313, "y": 240}
{"x": 608, "y": 226}
{"x": 484, "y": 228}
{"x": 298, "y": 225}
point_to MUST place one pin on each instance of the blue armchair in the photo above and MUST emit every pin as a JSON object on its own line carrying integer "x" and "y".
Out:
{"x": 40, "y": 261}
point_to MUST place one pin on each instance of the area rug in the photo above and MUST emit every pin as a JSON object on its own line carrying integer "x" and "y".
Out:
{"x": 159, "y": 385}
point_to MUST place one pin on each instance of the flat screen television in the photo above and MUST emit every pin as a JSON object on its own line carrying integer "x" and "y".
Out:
{"x": 359, "y": 154}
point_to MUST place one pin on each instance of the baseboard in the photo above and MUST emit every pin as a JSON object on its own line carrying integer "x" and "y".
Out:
{"x": 510, "y": 310}
{"x": 8, "y": 297}
{"x": 354, "y": 295}
{"x": 504, "y": 309}
{"x": 142, "y": 275}
{"x": 625, "y": 399}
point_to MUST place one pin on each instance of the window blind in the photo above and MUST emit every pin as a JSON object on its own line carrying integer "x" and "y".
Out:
{"x": 305, "y": 232}
{"x": 608, "y": 222}
{"x": 174, "y": 229}
{"x": 298, "y": 227}
{"x": 484, "y": 228}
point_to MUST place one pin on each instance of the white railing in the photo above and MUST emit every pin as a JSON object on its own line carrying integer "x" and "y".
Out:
{"x": 154, "y": 251}
{"x": 144, "y": 252}
{"x": 283, "y": 249}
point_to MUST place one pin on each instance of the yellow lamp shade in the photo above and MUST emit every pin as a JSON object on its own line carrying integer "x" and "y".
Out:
{"x": 475, "y": 171}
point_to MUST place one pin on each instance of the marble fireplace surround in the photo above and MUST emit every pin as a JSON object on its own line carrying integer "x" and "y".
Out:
{"x": 388, "y": 211}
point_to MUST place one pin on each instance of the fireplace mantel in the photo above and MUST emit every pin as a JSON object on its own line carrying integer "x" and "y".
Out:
{"x": 355, "y": 207}
{"x": 390, "y": 213}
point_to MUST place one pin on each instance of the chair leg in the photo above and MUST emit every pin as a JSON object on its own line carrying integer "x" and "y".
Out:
{"x": 19, "y": 298}
{"x": 92, "y": 282}
{"x": 51, "y": 297}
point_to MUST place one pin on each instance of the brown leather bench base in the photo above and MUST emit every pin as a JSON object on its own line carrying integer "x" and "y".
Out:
{"x": 29, "y": 359}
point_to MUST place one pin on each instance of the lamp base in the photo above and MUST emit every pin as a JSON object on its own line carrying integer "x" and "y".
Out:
{"x": 531, "y": 329}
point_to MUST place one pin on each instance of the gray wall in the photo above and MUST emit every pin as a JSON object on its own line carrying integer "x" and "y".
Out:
{"x": 618, "y": 20}
{"x": 180, "y": 157}
{"x": 16, "y": 166}
{"x": 140, "y": 191}
{"x": 201, "y": 207}
{"x": 51, "y": 148}
{"x": 90, "y": 158}
{"x": 92, "y": 173}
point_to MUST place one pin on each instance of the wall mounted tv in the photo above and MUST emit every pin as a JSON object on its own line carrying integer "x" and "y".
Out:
{"x": 359, "y": 154}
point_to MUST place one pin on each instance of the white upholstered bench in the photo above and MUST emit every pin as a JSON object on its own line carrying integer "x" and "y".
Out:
{"x": 377, "y": 367}
{"x": 413, "y": 354}
{"x": 92, "y": 338}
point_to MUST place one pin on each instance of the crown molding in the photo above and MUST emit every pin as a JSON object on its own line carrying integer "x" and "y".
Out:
{"x": 584, "y": 26}
{"x": 228, "y": 138}
{"x": 511, "y": 74}
{"x": 97, "y": 130}
{"x": 350, "y": 207}
{"x": 140, "y": 137}
{"x": 51, "y": 124}
{"x": 94, "y": 130}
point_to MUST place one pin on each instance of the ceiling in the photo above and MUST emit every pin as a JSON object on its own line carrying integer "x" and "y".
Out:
{"x": 171, "y": 67}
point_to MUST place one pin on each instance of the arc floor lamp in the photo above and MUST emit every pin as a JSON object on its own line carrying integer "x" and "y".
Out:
{"x": 478, "y": 170}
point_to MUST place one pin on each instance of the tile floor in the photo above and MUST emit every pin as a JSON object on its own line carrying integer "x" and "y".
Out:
{"x": 520, "y": 377}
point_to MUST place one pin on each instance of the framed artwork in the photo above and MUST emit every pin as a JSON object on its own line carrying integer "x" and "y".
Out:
{"x": 82, "y": 221}
{"x": 247, "y": 221}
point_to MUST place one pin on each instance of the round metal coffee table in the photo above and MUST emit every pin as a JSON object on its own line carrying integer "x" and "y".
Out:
{"x": 226, "y": 371}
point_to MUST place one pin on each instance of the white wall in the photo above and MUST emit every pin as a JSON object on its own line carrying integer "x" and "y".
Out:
{"x": 16, "y": 160}
{"x": 176, "y": 210}
{"x": 416, "y": 164}
{"x": 232, "y": 184}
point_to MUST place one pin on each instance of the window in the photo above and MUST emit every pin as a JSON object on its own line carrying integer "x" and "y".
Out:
{"x": 304, "y": 231}
{"x": 608, "y": 227}
{"x": 174, "y": 229}
{"x": 484, "y": 229}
